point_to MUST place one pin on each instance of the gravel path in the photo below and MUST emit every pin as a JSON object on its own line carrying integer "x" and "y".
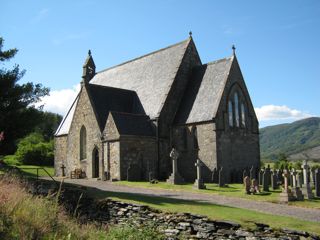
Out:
{"x": 265, "y": 207}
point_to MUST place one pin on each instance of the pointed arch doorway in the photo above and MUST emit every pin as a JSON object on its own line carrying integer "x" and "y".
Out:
{"x": 95, "y": 163}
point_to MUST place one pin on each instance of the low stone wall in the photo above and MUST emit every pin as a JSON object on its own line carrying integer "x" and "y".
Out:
{"x": 174, "y": 226}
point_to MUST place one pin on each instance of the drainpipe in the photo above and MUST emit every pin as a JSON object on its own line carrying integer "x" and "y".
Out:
{"x": 158, "y": 147}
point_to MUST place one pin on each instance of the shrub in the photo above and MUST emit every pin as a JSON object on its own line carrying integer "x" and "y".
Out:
{"x": 34, "y": 150}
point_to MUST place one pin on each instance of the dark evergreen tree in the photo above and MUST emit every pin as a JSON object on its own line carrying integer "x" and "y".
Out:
{"x": 18, "y": 114}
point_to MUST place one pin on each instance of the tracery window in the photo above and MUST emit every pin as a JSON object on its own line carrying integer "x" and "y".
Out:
{"x": 83, "y": 143}
{"x": 237, "y": 108}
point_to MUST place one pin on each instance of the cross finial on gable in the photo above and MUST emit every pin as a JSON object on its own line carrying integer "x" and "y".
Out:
{"x": 89, "y": 52}
{"x": 233, "y": 50}
{"x": 190, "y": 34}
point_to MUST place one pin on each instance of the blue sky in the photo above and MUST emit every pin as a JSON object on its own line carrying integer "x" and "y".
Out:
{"x": 278, "y": 44}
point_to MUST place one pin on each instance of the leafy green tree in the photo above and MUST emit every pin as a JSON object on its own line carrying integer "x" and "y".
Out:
{"x": 18, "y": 114}
{"x": 34, "y": 150}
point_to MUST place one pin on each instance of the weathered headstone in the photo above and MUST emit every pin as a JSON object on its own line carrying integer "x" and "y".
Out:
{"x": 317, "y": 181}
{"x": 215, "y": 176}
{"x": 247, "y": 184}
{"x": 63, "y": 170}
{"x": 274, "y": 180}
{"x": 175, "y": 177}
{"x": 312, "y": 179}
{"x": 199, "y": 181}
{"x": 286, "y": 194}
{"x": 306, "y": 189}
{"x": 280, "y": 177}
{"x": 299, "y": 179}
{"x": 261, "y": 176}
{"x": 266, "y": 179}
{"x": 296, "y": 191}
{"x": 255, "y": 186}
{"x": 221, "y": 178}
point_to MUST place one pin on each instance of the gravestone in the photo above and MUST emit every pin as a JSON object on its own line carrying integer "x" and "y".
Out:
{"x": 261, "y": 176}
{"x": 280, "y": 177}
{"x": 175, "y": 177}
{"x": 312, "y": 180}
{"x": 317, "y": 181}
{"x": 296, "y": 191}
{"x": 199, "y": 181}
{"x": 247, "y": 184}
{"x": 215, "y": 176}
{"x": 274, "y": 180}
{"x": 299, "y": 179}
{"x": 221, "y": 178}
{"x": 63, "y": 167}
{"x": 255, "y": 186}
{"x": 286, "y": 194}
{"x": 306, "y": 189}
{"x": 133, "y": 172}
{"x": 266, "y": 179}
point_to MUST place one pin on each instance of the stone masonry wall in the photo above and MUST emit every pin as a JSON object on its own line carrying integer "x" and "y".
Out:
{"x": 60, "y": 153}
{"x": 83, "y": 116}
{"x": 204, "y": 149}
{"x": 139, "y": 151}
{"x": 237, "y": 148}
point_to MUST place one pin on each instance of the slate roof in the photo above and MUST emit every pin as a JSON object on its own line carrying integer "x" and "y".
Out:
{"x": 204, "y": 91}
{"x": 105, "y": 99}
{"x": 66, "y": 121}
{"x": 133, "y": 124}
{"x": 150, "y": 76}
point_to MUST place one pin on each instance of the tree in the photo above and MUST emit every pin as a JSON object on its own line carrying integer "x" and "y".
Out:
{"x": 18, "y": 114}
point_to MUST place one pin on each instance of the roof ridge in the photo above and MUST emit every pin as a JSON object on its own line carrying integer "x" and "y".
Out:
{"x": 148, "y": 54}
{"x": 103, "y": 86}
{"x": 219, "y": 60}
{"x": 132, "y": 114}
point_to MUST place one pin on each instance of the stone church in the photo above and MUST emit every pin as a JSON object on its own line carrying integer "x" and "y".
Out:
{"x": 127, "y": 118}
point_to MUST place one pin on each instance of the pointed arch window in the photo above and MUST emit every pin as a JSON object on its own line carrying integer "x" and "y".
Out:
{"x": 83, "y": 143}
{"x": 230, "y": 113}
{"x": 236, "y": 109}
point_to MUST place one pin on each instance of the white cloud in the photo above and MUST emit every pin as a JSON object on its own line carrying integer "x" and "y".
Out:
{"x": 59, "y": 101}
{"x": 274, "y": 112}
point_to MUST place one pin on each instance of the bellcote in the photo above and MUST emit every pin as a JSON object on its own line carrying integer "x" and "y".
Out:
{"x": 89, "y": 69}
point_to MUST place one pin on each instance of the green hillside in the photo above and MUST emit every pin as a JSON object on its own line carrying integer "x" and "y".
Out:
{"x": 289, "y": 138}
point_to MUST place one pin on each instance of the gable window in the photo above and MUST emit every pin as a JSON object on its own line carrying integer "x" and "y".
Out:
{"x": 230, "y": 113}
{"x": 83, "y": 143}
{"x": 236, "y": 109}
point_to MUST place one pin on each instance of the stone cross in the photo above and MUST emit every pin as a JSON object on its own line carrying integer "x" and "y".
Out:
{"x": 175, "y": 177}
{"x": 317, "y": 181}
{"x": 174, "y": 155}
{"x": 286, "y": 195}
{"x": 306, "y": 189}
{"x": 62, "y": 169}
{"x": 199, "y": 181}
{"x": 261, "y": 176}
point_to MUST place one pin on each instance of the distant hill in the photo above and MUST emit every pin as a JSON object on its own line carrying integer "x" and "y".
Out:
{"x": 295, "y": 140}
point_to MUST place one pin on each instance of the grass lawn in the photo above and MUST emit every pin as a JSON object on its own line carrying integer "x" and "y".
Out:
{"x": 232, "y": 190}
{"x": 245, "y": 217}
